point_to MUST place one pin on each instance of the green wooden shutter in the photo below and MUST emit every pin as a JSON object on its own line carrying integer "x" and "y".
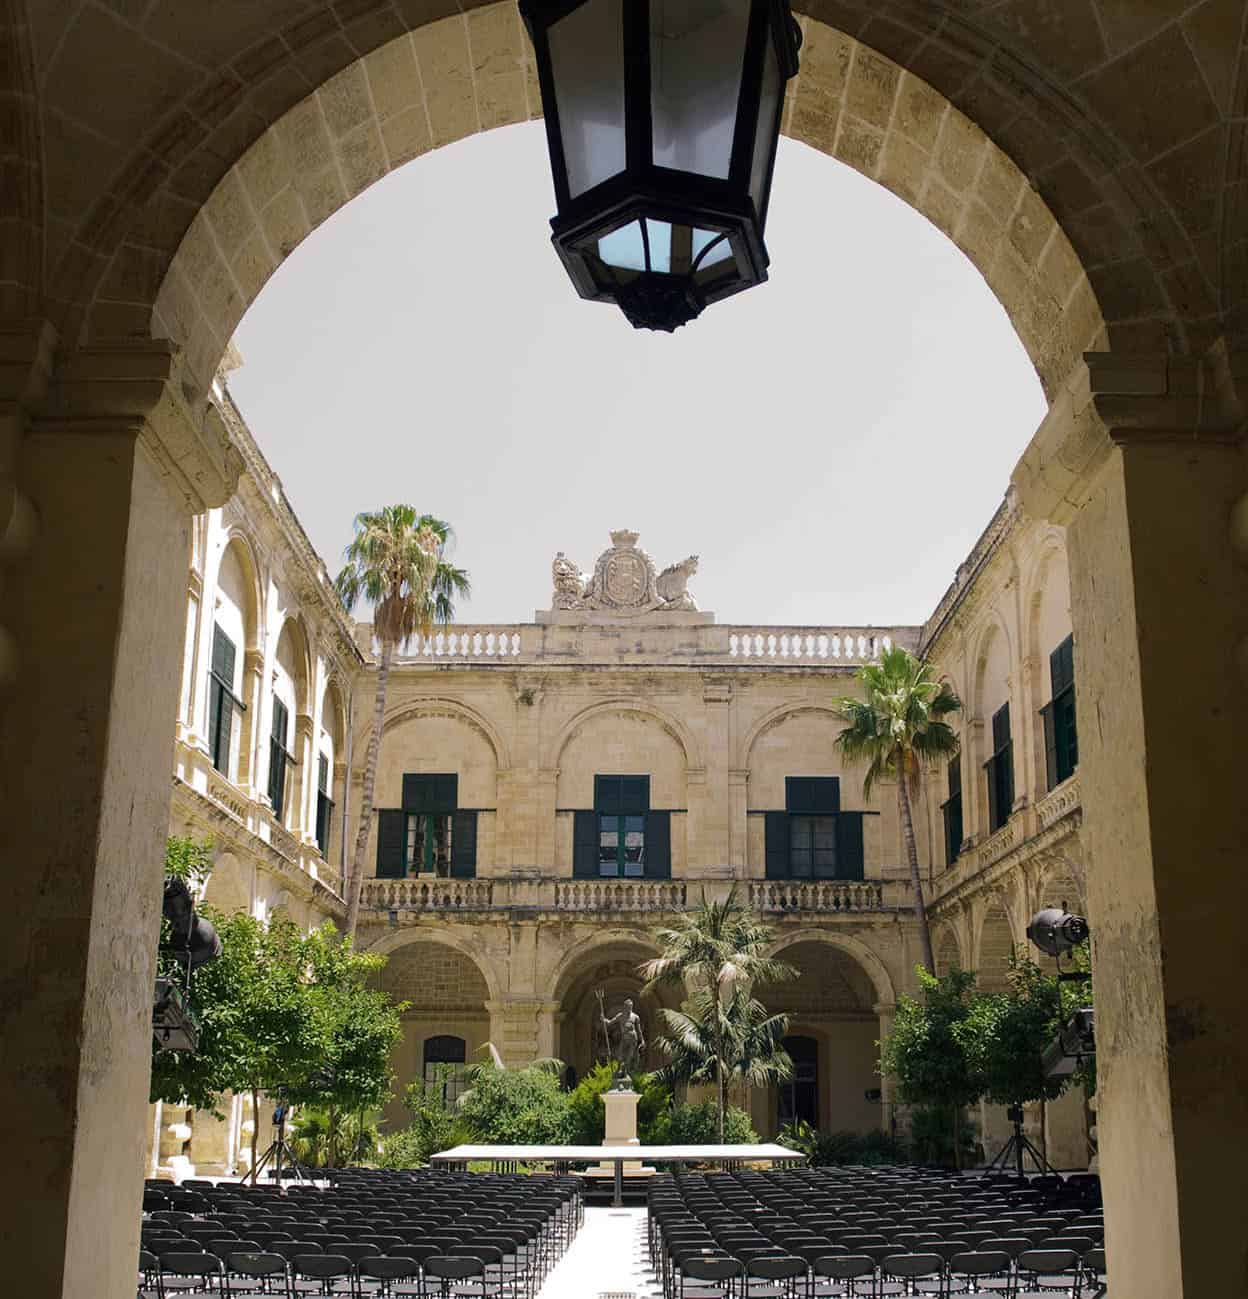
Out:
{"x": 777, "y": 845}
{"x": 277, "y": 758}
{"x": 585, "y": 845}
{"x": 815, "y": 795}
{"x": 1050, "y": 744}
{"x": 223, "y": 657}
{"x": 850, "y": 854}
{"x": 464, "y": 845}
{"x": 445, "y": 793}
{"x": 391, "y": 842}
{"x": 634, "y": 795}
{"x": 607, "y": 795}
{"x": 659, "y": 845}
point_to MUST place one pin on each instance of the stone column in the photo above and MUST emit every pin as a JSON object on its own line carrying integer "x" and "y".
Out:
{"x": 113, "y": 464}
{"x": 887, "y": 1012}
{"x": 1143, "y": 461}
{"x": 253, "y": 670}
{"x": 303, "y": 781}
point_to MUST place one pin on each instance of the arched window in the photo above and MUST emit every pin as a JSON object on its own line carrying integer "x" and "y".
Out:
{"x": 445, "y": 1057}
{"x": 799, "y": 1096}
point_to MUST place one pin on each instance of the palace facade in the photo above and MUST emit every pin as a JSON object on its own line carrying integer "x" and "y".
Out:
{"x": 550, "y": 793}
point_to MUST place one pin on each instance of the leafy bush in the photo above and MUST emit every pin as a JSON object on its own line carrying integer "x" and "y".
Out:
{"x": 824, "y": 1149}
{"x": 932, "y": 1129}
{"x": 515, "y": 1106}
{"x": 587, "y": 1114}
{"x": 322, "y": 1140}
{"x": 402, "y": 1149}
{"x": 435, "y": 1125}
{"x": 698, "y": 1125}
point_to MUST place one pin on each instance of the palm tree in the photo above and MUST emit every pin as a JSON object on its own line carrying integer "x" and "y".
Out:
{"x": 396, "y": 562}
{"x": 897, "y": 730}
{"x": 718, "y": 952}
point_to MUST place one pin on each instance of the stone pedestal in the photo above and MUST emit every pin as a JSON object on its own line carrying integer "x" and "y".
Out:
{"x": 621, "y": 1126}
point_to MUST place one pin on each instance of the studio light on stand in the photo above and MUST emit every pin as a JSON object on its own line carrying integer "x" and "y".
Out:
{"x": 1056, "y": 932}
{"x": 191, "y": 942}
{"x": 662, "y": 119}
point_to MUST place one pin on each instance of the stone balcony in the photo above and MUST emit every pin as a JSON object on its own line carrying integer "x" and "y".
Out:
{"x": 242, "y": 820}
{"x": 536, "y": 894}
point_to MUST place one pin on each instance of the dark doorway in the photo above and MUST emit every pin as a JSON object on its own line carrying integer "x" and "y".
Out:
{"x": 799, "y": 1097}
{"x": 444, "y": 1058}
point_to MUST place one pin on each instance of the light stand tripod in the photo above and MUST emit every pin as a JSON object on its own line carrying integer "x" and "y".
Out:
{"x": 279, "y": 1152}
{"x": 1017, "y": 1146}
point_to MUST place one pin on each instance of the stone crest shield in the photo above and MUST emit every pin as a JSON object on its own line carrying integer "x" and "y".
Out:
{"x": 624, "y": 581}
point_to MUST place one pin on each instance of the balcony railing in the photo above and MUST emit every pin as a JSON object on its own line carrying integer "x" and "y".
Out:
{"x": 711, "y": 644}
{"x": 430, "y": 895}
{"x": 620, "y": 895}
{"x": 824, "y": 896}
{"x": 534, "y": 893}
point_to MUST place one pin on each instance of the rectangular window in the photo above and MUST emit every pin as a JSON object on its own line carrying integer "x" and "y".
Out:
{"x": 812, "y": 838}
{"x": 1061, "y": 740}
{"x": 324, "y": 805}
{"x": 952, "y": 812}
{"x": 427, "y": 850}
{"x": 621, "y": 803}
{"x": 222, "y": 701}
{"x": 430, "y": 834}
{"x": 999, "y": 770}
{"x": 280, "y": 757}
{"x": 622, "y": 838}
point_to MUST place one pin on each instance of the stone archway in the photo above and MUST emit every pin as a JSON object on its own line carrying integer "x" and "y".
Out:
{"x": 459, "y": 75}
{"x": 608, "y": 963}
{"x": 834, "y": 1003}
{"x": 448, "y": 996}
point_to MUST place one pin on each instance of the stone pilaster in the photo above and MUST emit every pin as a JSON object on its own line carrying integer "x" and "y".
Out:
{"x": 1144, "y": 463}
{"x": 112, "y": 461}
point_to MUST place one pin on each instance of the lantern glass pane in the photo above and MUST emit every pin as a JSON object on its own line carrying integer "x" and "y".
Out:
{"x": 697, "y": 59}
{"x": 703, "y": 239}
{"x": 767, "y": 128}
{"x": 587, "y": 65}
{"x": 623, "y": 248}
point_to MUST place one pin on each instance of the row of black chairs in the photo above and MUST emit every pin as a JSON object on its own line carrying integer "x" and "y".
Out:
{"x": 872, "y": 1232}
{"x": 482, "y": 1235}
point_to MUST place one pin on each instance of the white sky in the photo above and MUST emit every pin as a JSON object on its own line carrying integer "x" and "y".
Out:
{"x": 830, "y": 444}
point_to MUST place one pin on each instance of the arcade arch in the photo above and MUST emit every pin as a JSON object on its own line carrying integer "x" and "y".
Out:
{"x": 834, "y": 1008}
{"x": 608, "y": 963}
{"x": 448, "y": 995}
{"x": 996, "y": 943}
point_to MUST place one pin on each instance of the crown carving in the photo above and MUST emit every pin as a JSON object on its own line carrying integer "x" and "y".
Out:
{"x": 624, "y": 537}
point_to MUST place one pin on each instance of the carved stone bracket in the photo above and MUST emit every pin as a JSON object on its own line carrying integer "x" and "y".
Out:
{"x": 132, "y": 384}
{"x": 1115, "y": 399}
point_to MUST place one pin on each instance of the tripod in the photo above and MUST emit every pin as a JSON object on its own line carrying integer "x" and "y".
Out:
{"x": 1016, "y": 1147}
{"x": 279, "y": 1153}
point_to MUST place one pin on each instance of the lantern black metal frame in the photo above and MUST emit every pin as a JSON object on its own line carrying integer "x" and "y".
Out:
{"x": 692, "y": 204}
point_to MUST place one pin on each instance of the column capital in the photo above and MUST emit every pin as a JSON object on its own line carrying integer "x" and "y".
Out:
{"x": 1128, "y": 399}
{"x": 132, "y": 385}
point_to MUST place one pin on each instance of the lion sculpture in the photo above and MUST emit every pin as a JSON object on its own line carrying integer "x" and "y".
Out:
{"x": 569, "y": 583}
{"x": 672, "y": 584}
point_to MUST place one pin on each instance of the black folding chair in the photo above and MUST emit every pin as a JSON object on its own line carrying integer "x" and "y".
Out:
{"x": 1042, "y": 1271}
{"x": 458, "y": 1276}
{"x": 322, "y": 1274}
{"x": 844, "y": 1275}
{"x": 184, "y": 1272}
{"x": 249, "y": 1272}
{"x": 390, "y": 1278}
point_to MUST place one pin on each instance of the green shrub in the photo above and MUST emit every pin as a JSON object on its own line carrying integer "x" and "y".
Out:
{"x": 932, "y": 1136}
{"x": 515, "y": 1106}
{"x": 587, "y": 1114}
{"x": 321, "y": 1140}
{"x": 435, "y": 1125}
{"x": 698, "y": 1125}
{"x": 403, "y": 1149}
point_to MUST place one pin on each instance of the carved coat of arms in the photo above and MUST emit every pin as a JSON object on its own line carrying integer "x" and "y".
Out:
{"x": 624, "y": 581}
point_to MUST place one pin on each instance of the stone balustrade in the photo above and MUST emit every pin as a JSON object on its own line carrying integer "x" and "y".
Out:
{"x": 695, "y": 645}
{"x": 824, "y": 896}
{"x": 537, "y": 892}
{"x": 807, "y": 645}
{"x": 432, "y": 894}
{"x": 620, "y": 895}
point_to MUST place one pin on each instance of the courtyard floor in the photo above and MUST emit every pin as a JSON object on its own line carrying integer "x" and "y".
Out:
{"x": 607, "y": 1259}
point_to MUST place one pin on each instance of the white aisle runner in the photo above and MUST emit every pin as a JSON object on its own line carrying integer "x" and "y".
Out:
{"x": 607, "y": 1258}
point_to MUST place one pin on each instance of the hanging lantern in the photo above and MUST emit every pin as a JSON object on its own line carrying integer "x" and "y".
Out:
{"x": 662, "y": 118}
